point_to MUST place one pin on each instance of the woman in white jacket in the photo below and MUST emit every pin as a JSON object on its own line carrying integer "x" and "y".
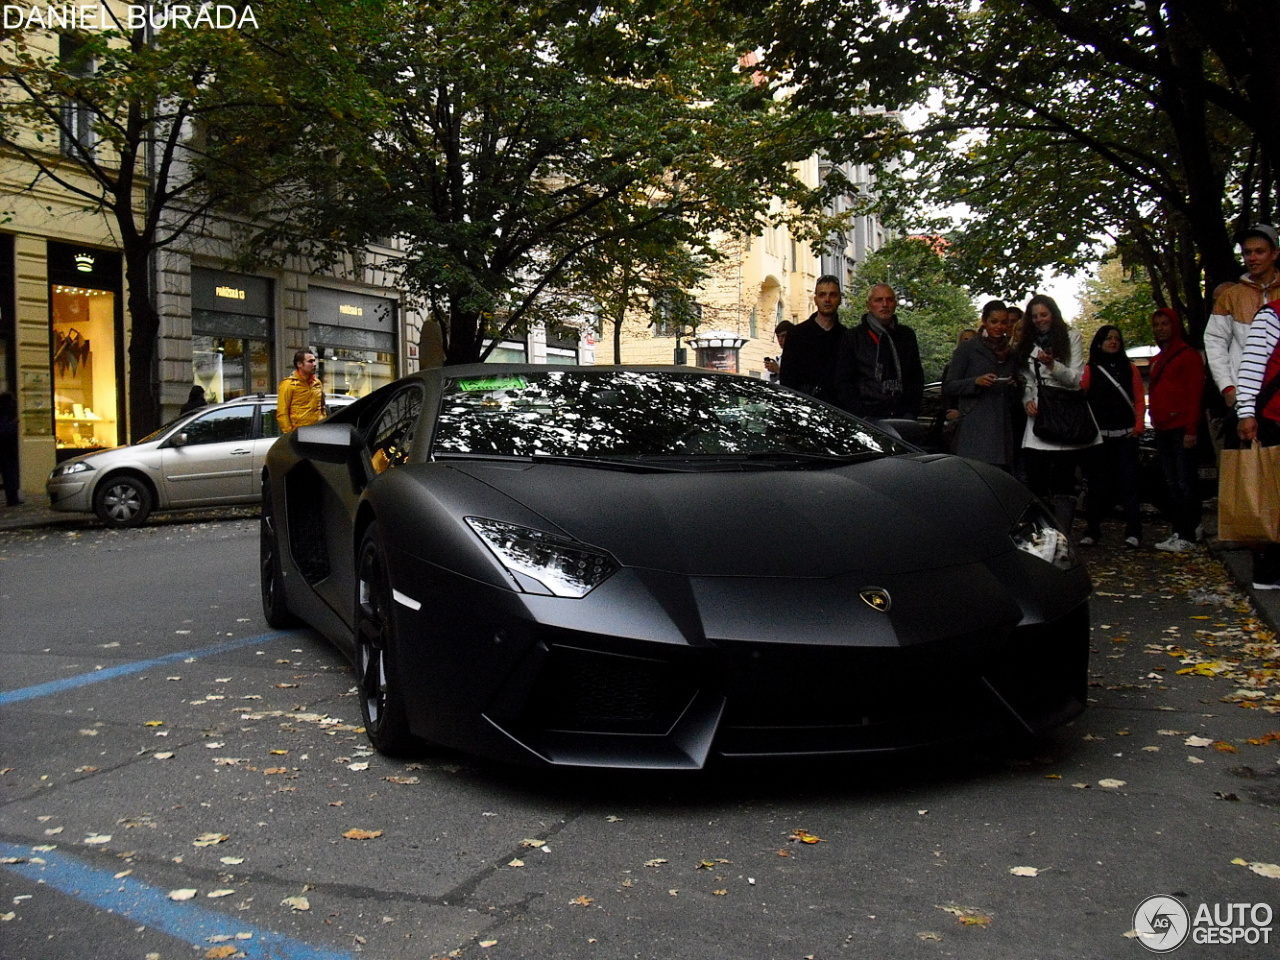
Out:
{"x": 1051, "y": 352}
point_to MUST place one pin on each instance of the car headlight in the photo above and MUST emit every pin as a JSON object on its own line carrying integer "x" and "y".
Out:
{"x": 542, "y": 563}
{"x": 77, "y": 466}
{"x": 1037, "y": 534}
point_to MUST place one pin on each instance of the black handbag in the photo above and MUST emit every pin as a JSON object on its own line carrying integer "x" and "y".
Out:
{"x": 1062, "y": 415}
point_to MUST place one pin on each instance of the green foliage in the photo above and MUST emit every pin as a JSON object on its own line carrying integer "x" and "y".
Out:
{"x": 1118, "y": 297}
{"x": 929, "y": 301}
{"x": 525, "y": 150}
{"x": 1059, "y": 130}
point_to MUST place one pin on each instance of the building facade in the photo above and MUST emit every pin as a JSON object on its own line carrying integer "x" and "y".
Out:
{"x": 65, "y": 327}
{"x": 763, "y": 280}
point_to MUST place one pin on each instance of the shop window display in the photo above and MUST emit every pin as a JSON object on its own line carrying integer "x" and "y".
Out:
{"x": 84, "y": 367}
{"x": 353, "y": 372}
{"x": 230, "y": 367}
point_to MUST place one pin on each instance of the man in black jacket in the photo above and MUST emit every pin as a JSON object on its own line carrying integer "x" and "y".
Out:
{"x": 809, "y": 356}
{"x": 878, "y": 370}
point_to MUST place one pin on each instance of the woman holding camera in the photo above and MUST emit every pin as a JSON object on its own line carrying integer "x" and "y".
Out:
{"x": 982, "y": 381}
{"x": 1052, "y": 354}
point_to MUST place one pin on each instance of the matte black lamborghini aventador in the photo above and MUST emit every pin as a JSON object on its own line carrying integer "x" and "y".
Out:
{"x": 651, "y": 567}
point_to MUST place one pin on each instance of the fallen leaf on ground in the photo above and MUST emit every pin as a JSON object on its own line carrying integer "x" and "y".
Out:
{"x": 804, "y": 836}
{"x": 1111, "y": 784}
{"x": 1025, "y": 871}
{"x": 355, "y": 833}
{"x": 209, "y": 839}
{"x": 1261, "y": 869}
{"x": 184, "y": 894}
{"x": 583, "y": 901}
{"x": 298, "y": 904}
{"x": 968, "y": 916}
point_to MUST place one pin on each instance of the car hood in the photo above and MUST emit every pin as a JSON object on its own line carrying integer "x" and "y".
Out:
{"x": 889, "y": 515}
{"x": 107, "y": 456}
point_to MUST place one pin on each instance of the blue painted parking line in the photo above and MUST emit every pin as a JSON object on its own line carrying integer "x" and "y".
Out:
{"x": 110, "y": 673}
{"x": 141, "y": 903}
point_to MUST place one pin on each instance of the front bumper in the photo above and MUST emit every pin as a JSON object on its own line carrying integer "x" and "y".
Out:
{"x": 69, "y": 493}
{"x": 618, "y": 680}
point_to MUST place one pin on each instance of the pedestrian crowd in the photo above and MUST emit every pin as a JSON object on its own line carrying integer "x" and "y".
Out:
{"x": 1022, "y": 393}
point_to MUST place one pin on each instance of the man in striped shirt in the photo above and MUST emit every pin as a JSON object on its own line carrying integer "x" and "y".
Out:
{"x": 1258, "y": 410}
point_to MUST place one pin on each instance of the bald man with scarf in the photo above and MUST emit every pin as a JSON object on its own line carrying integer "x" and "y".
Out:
{"x": 878, "y": 371}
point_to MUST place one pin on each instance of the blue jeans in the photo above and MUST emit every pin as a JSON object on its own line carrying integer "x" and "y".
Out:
{"x": 1182, "y": 480}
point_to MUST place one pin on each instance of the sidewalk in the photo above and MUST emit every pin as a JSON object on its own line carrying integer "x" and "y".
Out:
{"x": 35, "y": 513}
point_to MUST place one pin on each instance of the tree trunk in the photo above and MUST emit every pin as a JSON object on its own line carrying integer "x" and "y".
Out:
{"x": 144, "y": 331}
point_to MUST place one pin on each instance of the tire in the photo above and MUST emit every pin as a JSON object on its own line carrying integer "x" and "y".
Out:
{"x": 378, "y": 676}
{"x": 122, "y": 501}
{"x": 275, "y": 604}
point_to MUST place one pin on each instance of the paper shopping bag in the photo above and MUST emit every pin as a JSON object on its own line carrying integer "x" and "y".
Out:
{"x": 1249, "y": 495}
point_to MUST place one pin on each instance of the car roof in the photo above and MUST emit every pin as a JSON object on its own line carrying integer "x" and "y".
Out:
{"x": 260, "y": 397}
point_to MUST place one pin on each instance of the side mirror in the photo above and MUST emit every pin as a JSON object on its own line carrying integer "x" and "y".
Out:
{"x": 179, "y": 439}
{"x": 331, "y": 438}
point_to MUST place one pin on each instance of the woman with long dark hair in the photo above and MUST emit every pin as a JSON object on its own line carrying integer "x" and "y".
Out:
{"x": 1114, "y": 387}
{"x": 1052, "y": 354}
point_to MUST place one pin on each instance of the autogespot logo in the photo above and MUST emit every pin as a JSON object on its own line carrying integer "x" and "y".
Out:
{"x": 1161, "y": 923}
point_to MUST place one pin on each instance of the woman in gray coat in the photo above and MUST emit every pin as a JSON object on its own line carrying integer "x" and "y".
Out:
{"x": 982, "y": 381}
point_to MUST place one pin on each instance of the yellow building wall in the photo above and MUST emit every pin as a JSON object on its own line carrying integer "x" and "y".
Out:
{"x": 39, "y": 216}
{"x": 772, "y": 269}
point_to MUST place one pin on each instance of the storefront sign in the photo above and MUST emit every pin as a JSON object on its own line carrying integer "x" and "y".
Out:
{"x": 225, "y": 292}
{"x": 344, "y": 308}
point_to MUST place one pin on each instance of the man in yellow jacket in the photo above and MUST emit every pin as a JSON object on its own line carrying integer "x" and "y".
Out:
{"x": 300, "y": 399}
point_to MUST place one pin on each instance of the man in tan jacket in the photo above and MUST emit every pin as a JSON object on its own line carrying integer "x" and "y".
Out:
{"x": 1235, "y": 307}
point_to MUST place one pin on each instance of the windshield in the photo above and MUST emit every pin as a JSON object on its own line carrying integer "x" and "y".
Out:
{"x": 643, "y": 413}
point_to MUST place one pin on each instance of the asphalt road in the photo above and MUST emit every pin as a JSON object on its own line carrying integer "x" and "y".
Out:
{"x": 158, "y": 737}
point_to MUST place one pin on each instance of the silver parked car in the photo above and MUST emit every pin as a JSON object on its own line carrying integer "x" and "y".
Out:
{"x": 208, "y": 457}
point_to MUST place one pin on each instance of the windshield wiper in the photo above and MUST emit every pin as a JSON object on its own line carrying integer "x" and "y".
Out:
{"x": 783, "y": 456}
{"x": 579, "y": 460}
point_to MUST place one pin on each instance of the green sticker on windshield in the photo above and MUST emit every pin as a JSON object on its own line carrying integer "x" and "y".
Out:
{"x": 484, "y": 384}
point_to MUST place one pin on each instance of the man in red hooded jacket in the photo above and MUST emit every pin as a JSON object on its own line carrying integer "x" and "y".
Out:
{"x": 1177, "y": 386}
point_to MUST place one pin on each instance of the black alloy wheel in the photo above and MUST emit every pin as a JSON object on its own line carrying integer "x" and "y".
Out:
{"x": 377, "y": 671}
{"x": 275, "y": 605}
{"x": 122, "y": 501}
